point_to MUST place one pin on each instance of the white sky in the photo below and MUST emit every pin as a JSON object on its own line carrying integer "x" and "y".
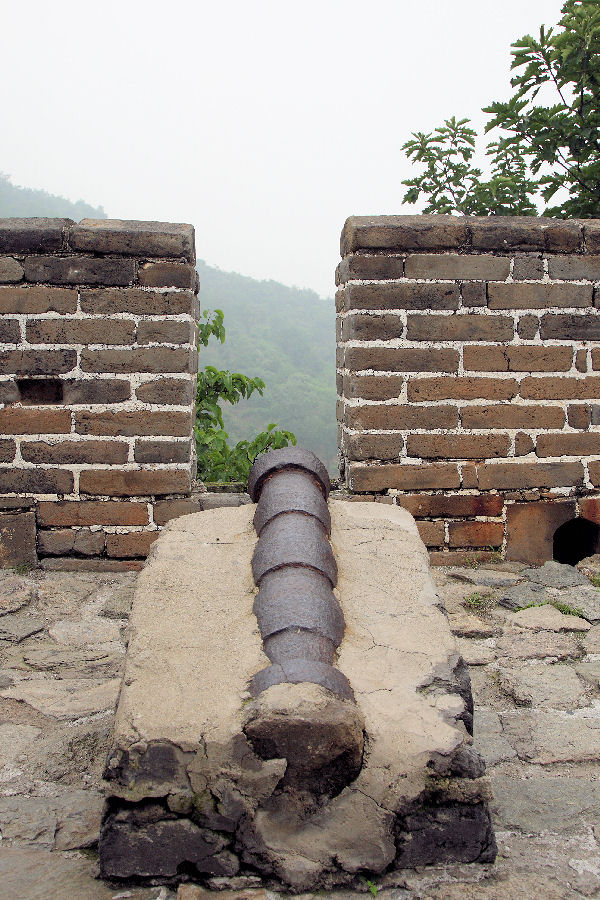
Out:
{"x": 262, "y": 122}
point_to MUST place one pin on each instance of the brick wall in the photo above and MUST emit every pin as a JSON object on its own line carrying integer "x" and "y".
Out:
{"x": 468, "y": 370}
{"x": 97, "y": 382}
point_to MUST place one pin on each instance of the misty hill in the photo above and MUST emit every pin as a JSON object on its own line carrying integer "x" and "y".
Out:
{"x": 19, "y": 201}
{"x": 286, "y": 336}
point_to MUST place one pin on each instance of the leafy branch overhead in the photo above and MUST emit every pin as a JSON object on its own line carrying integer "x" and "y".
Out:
{"x": 217, "y": 461}
{"x": 547, "y": 156}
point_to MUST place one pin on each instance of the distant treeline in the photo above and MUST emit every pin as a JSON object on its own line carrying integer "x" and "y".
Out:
{"x": 18, "y": 201}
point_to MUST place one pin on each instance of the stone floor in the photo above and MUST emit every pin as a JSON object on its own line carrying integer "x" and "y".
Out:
{"x": 536, "y": 683}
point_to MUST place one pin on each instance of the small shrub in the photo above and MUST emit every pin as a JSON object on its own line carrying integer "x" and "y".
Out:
{"x": 478, "y": 601}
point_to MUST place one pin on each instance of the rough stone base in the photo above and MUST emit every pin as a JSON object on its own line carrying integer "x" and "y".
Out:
{"x": 205, "y": 781}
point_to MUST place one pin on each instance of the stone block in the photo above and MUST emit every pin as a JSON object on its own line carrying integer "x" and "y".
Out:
{"x": 35, "y": 299}
{"x": 578, "y": 268}
{"x": 533, "y": 388}
{"x": 17, "y": 537}
{"x": 121, "y": 423}
{"x": 392, "y": 359}
{"x": 528, "y": 267}
{"x": 518, "y": 359}
{"x": 32, "y": 235}
{"x": 523, "y": 475}
{"x": 167, "y": 274}
{"x": 400, "y": 417}
{"x": 95, "y": 390}
{"x": 525, "y": 233}
{"x": 570, "y": 327}
{"x": 451, "y": 505}
{"x": 465, "y": 327}
{"x": 222, "y": 778}
{"x": 65, "y": 513}
{"x": 527, "y": 327}
{"x": 134, "y": 482}
{"x": 403, "y": 233}
{"x": 64, "y": 541}
{"x": 167, "y": 391}
{"x": 79, "y": 270}
{"x": 373, "y": 446}
{"x": 361, "y": 266}
{"x": 133, "y": 238}
{"x": 137, "y": 301}
{"x": 11, "y": 270}
{"x": 475, "y": 534}
{"x": 530, "y": 529}
{"x": 474, "y": 293}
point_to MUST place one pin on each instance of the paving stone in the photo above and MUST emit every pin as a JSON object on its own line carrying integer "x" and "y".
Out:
{"x": 88, "y": 631}
{"x": 36, "y": 874}
{"x": 591, "y": 642}
{"x": 548, "y": 618}
{"x": 14, "y": 739}
{"x": 18, "y": 626}
{"x": 78, "y": 819}
{"x": 590, "y": 671}
{"x": 485, "y": 578}
{"x": 523, "y": 595}
{"x": 541, "y": 685}
{"x": 15, "y": 594}
{"x": 118, "y": 604}
{"x": 57, "y": 658}
{"x": 548, "y": 736}
{"x": 489, "y": 738}
{"x": 538, "y": 645}
{"x": 470, "y": 626}
{"x": 537, "y": 804}
{"x": 27, "y": 819}
{"x": 476, "y": 652}
{"x": 586, "y": 599}
{"x": 590, "y": 565}
{"x": 556, "y": 575}
{"x": 67, "y": 698}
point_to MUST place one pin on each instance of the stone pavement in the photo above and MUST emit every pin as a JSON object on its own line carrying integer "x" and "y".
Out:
{"x": 536, "y": 684}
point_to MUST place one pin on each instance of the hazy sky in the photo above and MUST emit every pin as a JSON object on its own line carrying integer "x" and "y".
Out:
{"x": 265, "y": 123}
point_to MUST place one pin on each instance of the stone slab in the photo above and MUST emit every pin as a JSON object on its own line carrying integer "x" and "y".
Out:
{"x": 183, "y": 764}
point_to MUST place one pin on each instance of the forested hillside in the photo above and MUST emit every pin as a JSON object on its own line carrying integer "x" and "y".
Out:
{"x": 287, "y": 337}
{"x": 19, "y": 201}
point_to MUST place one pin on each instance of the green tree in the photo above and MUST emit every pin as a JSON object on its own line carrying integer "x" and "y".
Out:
{"x": 217, "y": 461}
{"x": 547, "y": 157}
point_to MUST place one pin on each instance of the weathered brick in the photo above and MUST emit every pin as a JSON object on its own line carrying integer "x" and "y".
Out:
{"x": 373, "y": 446}
{"x": 372, "y": 328}
{"x": 458, "y": 446}
{"x": 10, "y": 331}
{"x": 35, "y": 481}
{"x": 138, "y": 302}
{"x": 527, "y": 327}
{"x": 165, "y": 510}
{"x": 133, "y": 238}
{"x": 524, "y": 233}
{"x": 121, "y": 423}
{"x": 392, "y": 359}
{"x": 451, "y": 505}
{"x": 91, "y": 512}
{"x": 574, "y": 267}
{"x": 403, "y": 233}
{"x": 586, "y": 444}
{"x": 79, "y": 270}
{"x": 89, "y": 564}
{"x": 538, "y": 296}
{"x": 484, "y": 267}
{"x": 519, "y": 476}
{"x": 467, "y": 327}
{"x": 509, "y": 415}
{"x": 581, "y": 360}
{"x": 17, "y": 539}
{"x": 37, "y": 362}
{"x": 528, "y": 268}
{"x": 594, "y": 470}
{"x": 591, "y": 229}
{"x": 401, "y": 417}
{"x": 462, "y": 388}
{"x": 35, "y": 421}
{"x": 7, "y": 450}
{"x": 64, "y": 541}
{"x": 361, "y": 266}
{"x": 129, "y": 546}
{"x": 11, "y": 270}
{"x": 96, "y": 390}
{"x": 579, "y": 415}
{"x": 404, "y": 477}
{"x": 595, "y": 358}
{"x": 160, "y": 332}
{"x": 431, "y": 533}
{"x": 37, "y": 299}
{"x": 524, "y": 444}
{"x": 31, "y": 235}
{"x": 155, "y": 359}
{"x": 570, "y": 327}
{"x": 172, "y": 391}
{"x": 162, "y": 451}
{"x": 372, "y": 387}
{"x": 134, "y": 482}
{"x": 339, "y": 357}
{"x": 9, "y": 392}
{"x": 589, "y": 508}
{"x": 560, "y": 388}
{"x": 517, "y": 359}
{"x": 80, "y": 331}
{"x": 167, "y": 274}
{"x": 396, "y": 295}
{"x": 474, "y": 293}
{"x": 475, "y": 534}
{"x": 81, "y": 451}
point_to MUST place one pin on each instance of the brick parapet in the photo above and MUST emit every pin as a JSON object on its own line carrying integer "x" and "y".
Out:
{"x": 468, "y": 365}
{"x": 98, "y": 356}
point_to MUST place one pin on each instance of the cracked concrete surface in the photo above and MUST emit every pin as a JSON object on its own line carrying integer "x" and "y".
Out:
{"x": 545, "y": 811}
